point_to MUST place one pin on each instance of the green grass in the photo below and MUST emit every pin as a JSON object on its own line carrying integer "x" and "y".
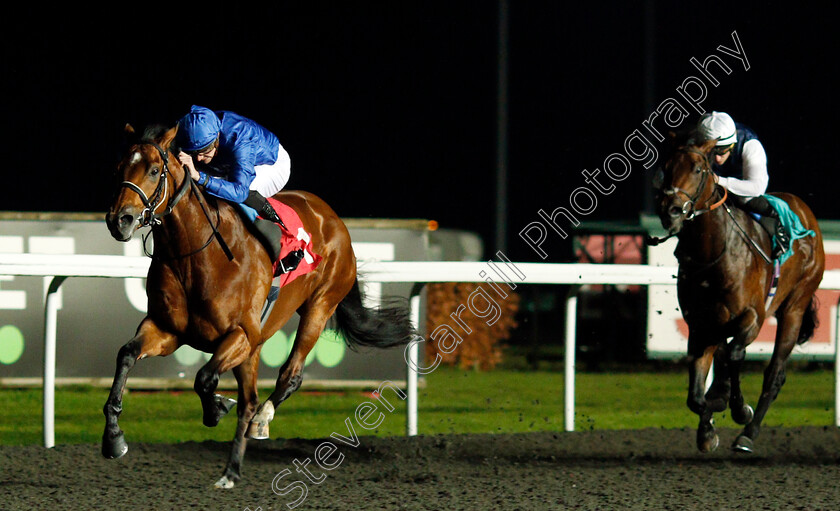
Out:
{"x": 453, "y": 401}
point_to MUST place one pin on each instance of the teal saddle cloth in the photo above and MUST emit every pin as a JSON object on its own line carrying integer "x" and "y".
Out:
{"x": 791, "y": 223}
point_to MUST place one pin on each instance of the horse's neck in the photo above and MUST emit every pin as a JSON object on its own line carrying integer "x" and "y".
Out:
{"x": 704, "y": 239}
{"x": 186, "y": 229}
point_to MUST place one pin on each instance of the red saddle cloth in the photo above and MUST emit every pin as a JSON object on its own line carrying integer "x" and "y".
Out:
{"x": 295, "y": 237}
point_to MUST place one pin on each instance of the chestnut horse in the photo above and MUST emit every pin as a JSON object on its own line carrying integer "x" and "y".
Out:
{"x": 208, "y": 282}
{"x": 723, "y": 286}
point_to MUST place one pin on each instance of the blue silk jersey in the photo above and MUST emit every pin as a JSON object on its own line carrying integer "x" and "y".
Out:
{"x": 243, "y": 144}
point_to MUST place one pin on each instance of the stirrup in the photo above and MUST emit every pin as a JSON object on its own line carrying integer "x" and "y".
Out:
{"x": 289, "y": 263}
{"x": 782, "y": 243}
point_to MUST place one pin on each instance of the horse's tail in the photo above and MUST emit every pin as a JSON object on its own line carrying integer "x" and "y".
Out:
{"x": 379, "y": 328}
{"x": 809, "y": 321}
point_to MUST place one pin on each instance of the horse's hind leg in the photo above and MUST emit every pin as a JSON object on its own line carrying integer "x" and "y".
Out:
{"x": 150, "y": 341}
{"x": 750, "y": 325}
{"x": 774, "y": 376}
{"x": 742, "y": 413}
{"x": 312, "y": 323}
{"x": 246, "y": 378}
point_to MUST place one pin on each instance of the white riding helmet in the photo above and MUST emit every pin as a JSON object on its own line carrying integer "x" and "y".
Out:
{"x": 718, "y": 125}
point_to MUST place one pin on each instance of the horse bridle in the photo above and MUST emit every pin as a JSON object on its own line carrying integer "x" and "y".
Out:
{"x": 690, "y": 212}
{"x": 688, "y": 207}
{"x": 149, "y": 217}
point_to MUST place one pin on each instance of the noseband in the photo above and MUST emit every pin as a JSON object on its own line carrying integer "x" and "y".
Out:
{"x": 149, "y": 216}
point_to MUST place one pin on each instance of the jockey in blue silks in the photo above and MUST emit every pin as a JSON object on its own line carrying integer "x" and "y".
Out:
{"x": 241, "y": 162}
{"x": 741, "y": 166}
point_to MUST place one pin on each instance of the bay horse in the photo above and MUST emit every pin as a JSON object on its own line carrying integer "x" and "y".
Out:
{"x": 724, "y": 284}
{"x": 208, "y": 281}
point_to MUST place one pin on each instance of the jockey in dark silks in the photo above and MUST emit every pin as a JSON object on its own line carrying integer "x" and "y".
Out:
{"x": 241, "y": 162}
{"x": 740, "y": 163}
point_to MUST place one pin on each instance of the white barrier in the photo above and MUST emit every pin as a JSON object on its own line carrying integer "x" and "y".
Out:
{"x": 63, "y": 266}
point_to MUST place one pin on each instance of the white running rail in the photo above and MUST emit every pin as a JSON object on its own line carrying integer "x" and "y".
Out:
{"x": 63, "y": 266}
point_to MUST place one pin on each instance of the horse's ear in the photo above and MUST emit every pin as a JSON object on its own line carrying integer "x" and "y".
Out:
{"x": 672, "y": 142}
{"x": 168, "y": 137}
{"x": 129, "y": 135}
{"x": 708, "y": 145}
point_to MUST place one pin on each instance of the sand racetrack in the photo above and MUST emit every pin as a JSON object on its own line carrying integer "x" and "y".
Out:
{"x": 792, "y": 469}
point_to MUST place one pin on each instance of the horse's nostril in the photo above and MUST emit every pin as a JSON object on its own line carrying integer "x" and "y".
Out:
{"x": 126, "y": 220}
{"x": 674, "y": 211}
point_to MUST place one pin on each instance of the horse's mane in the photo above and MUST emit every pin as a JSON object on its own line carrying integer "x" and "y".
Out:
{"x": 153, "y": 132}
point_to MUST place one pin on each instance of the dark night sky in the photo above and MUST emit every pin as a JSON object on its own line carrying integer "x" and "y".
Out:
{"x": 390, "y": 112}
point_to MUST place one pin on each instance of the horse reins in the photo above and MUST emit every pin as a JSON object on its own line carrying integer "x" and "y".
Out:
{"x": 149, "y": 217}
{"x": 691, "y": 213}
{"x": 688, "y": 208}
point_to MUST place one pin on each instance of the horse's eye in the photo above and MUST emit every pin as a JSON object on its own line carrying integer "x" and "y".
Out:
{"x": 154, "y": 171}
{"x": 698, "y": 169}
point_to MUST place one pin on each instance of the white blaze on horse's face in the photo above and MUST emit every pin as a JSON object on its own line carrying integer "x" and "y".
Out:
{"x": 140, "y": 194}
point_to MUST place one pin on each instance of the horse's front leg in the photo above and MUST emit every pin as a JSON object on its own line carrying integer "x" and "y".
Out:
{"x": 246, "y": 378}
{"x": 700, "y": 361}
{"x": 232, "y": 350}
{"x": 717, "y": 397}
{"x": 150, "y": 341}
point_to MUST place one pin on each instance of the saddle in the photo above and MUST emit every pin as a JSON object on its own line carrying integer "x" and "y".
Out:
{"x": 281, "y": 232}
{"x": 776, "y": 217}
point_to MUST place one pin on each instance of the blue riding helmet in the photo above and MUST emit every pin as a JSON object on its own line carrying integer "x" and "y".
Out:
{"x": 198, "y": 129}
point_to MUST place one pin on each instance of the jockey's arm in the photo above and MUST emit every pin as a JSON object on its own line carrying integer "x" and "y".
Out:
{"x": 237, "y": 184}
{"x": 755, "y": 177}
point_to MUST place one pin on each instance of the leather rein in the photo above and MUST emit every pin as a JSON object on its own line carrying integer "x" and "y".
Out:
{"x": 150, "y": 217}
{"x": 689, "y": 210}
{"x": 688, "y": 207}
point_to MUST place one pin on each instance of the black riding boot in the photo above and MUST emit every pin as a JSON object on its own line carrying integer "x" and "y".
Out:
{"x": 264, "y": 208}
{"x": 761, "y": 206}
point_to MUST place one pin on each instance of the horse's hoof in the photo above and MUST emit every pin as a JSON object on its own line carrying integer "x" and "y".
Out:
{"x": 258, "y": 428}
{"x": 257, "y": 431}
{"x": 744, "y": 415}
{"x": 115, "y": 447}
{"x": 225, "y": 483}
{"x": 743, "y": 444}
{"x": 225, "y": 404}
{"x": 706, "y": 445}
{"x": 218, "y": 408}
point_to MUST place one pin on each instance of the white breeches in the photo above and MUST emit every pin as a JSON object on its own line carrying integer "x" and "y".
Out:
{"x": 270, "y": 179}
